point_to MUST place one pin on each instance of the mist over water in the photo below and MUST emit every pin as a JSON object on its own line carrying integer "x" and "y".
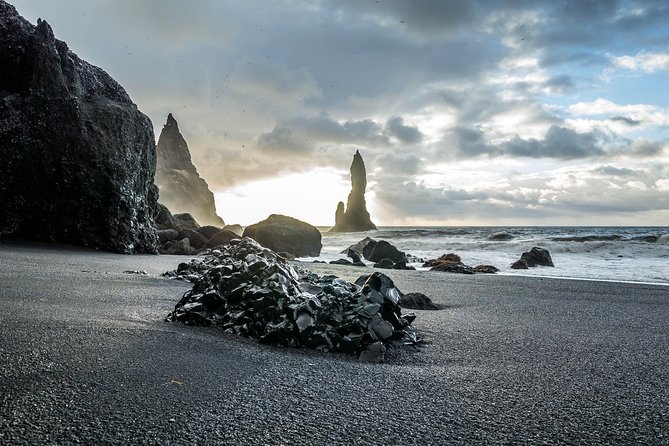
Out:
{"x": 638, "y": 254}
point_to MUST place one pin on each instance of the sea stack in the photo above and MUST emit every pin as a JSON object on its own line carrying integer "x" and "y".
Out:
{"x": 182, "y": 189}
{"x": 77, "y": 158}
{"x": 354, "y": 217}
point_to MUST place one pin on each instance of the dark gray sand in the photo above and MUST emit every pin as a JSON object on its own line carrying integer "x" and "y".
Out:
{"x": 86, "y": 357}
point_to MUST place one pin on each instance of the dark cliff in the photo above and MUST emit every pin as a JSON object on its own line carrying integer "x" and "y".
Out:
{"x": 77, "y": 158}
{"x": 354, "y": 217}
{"x": 181, "y": 187}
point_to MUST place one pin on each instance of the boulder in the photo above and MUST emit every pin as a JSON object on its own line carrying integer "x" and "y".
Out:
{"x": 486, "y": 269}
{"x": 383, "y": 250}
{"x": 165, "y": 219}
{"x": 222, "y": 237}
{"x": 282, "y": 233}
{"x": 180, "y": 247}
{"x": 181, "y": 187}
{"x": 500, "y": 237}
{"x": 384, "y": 264}
{"x": 450, "y": 263}
{"x": 196, "y": 240}
{"x": 446, "y": 258}
{"x": 237, "y": 229}
{"x": 418, "y": 301}
{"x": 186, "y": 221}
{"x": 208, "y": 231}
{"x": 77, "y": 156}
{"x": 354, "y": 217}
{"x": 534, "y": 257}
{"x": 358, "y": 247}
{"x": 166, "y": 235}
{"x": 355, "y": 257}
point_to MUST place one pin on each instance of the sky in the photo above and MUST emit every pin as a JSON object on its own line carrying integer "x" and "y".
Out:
{"x": 465, "y": 112}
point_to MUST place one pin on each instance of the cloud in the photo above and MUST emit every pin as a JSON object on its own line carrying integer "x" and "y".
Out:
{"x": 628, "y": 121}
{"x": 404, "y": 133}
{"x": 644, "y": 62}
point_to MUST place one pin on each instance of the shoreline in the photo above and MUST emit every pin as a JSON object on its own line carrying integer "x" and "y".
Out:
{"x": 87, "y": 357}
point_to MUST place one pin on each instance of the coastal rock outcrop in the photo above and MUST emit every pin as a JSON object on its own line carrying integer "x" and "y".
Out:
{"x": 534, "y": 257}
{"x": 450, "y": 263}
{"x": 281, "y": 233}
{"x": 77, "y": 158}
{"x": 354, "y": 216}
{"x": 181, "y": 187}
{"x": 250, "y": 291}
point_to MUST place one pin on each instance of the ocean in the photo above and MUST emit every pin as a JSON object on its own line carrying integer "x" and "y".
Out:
{"x": 621, "y": 254}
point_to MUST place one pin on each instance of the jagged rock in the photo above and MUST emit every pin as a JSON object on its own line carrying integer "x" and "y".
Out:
{"x": 354, "y": 217}
{"x": 165, "y": 219}
{"x": 181, "y": 187}
{"x": 196, "y": 240}
{"x": 418, "y": 301}
{"x": 78, "y": 157}
{"x": 186, "y": 221}
{"x": 208, "y": 231}
{"x": 166, "y": 235}
{"x": 222, "y": 237}
{"x": 237, "y": 229}
{"x": 180, "y": 247}
{"x": 249, "y": 290}
{"x": 534, "y": 257}
{"x": 282, "y": 233}
{"x": 486, "y": 269}
{"x": 358, "y": 247}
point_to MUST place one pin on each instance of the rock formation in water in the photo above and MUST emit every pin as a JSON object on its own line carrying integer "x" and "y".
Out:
{"x": 77, "y": 158}
{"x": 354, "y": 217}
{"x": 181, "y": 187}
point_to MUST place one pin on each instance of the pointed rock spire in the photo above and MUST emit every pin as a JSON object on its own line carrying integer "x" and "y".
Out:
{"x": 181, "y": 187}
{"x": 354, "y": 217}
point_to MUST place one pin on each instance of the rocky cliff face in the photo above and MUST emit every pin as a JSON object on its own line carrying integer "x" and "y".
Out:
{"x": 354, "y": 217}
{"x": 77, "y": 159}
{"x": 181, "y": 188}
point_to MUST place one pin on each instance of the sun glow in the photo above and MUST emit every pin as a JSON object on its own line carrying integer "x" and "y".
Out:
{"x": 311, "y": 197}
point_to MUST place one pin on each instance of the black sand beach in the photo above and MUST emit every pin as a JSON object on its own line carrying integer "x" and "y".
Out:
{"x": 86, "y": 357}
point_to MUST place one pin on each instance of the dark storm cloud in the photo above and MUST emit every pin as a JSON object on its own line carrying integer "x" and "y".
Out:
{"x": 405, "y": 133}
{"x": 559, "y": 142}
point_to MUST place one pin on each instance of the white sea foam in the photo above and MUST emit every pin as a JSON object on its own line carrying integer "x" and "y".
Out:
{"x": 638, "y": 254}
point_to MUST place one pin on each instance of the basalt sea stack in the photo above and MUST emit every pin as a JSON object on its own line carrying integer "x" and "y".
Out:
{"x": 354, "y": 217}
{"x": 77, "y": 158}
{"x": 181, "y": 187}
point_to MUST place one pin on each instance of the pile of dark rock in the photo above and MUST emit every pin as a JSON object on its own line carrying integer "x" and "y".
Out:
{"x": 180, "y": 234}
{"x": 251, "y": 291}
{"x": 452, "y": 263}
{"x": 534, "y": 257}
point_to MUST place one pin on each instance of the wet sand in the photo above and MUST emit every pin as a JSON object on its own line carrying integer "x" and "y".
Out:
{"x": 86, "y": 357}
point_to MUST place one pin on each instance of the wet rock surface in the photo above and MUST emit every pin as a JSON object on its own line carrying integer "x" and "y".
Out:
{"x": 78, "y": 157}
{"x": 418, "y": 301}
{"x": 248, "y": 290}
{"x": 354, "y": 216}
{"x": 181, "y": 187}
{"x": 281, "y": 233}
{"x": 534, "y": 257}
{"x": 486, "y": 269}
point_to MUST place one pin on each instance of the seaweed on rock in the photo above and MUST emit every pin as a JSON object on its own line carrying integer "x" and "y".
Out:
{"x": 251, "y": 291}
